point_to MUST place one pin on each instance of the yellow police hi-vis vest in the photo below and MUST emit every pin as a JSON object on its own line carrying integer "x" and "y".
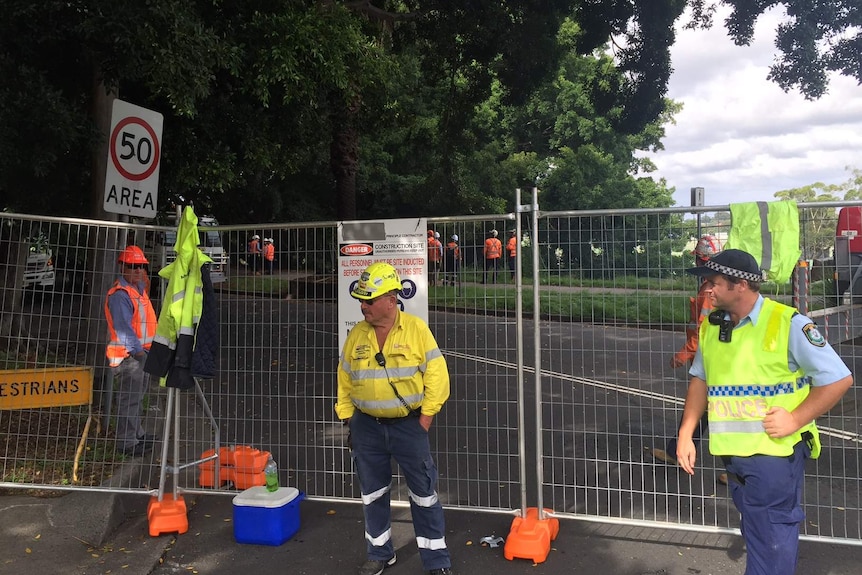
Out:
{"x": 414, "y": 365}
{"x": 745, "y": 378}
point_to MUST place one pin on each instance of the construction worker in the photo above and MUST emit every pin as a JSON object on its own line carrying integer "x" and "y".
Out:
{"x": 700, "y": 307}
{"x": 452, "y": 260}
{"x": 255, "y": 253}
{"x": 389, "y": 420}
{"x": 512, "y": 250}
{"x": 435, "y": 256}
{"x": 764, "y": 373}
{"x": 131, "y": 328}
{"x": 492, "y": 251}
{"x": 268, "y": 256}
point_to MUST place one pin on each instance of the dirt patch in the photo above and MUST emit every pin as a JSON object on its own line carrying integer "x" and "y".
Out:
{"x": 40, "y": 448}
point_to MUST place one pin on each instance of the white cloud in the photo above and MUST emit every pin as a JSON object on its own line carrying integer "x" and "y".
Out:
{"x": 739, "y": 135}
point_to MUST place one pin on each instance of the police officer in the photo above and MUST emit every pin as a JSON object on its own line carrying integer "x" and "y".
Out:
{"x": 392, "y": 381}
{"x": 764, "y": 373}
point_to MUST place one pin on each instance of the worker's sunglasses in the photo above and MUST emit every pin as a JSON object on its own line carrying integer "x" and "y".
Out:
{"x": 136, "y": 266}
{"x": 370, "y": 302}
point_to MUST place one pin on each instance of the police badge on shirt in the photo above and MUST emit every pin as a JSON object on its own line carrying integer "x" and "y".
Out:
{"x": 813, "y": 335}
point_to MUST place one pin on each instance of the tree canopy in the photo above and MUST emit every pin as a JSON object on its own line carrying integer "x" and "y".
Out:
{"x": 282, "y": 110}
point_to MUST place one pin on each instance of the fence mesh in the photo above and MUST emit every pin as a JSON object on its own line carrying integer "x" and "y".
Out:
{"x": 613, "y": 303}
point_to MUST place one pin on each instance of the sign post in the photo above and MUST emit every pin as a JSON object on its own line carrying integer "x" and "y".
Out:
{"x": 134, "y": 153}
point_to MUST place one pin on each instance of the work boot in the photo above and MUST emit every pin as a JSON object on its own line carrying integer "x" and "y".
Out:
{"x": 442, "y": 571}
{"x": 663, "y": 456}
{"x": 375, "y": 567}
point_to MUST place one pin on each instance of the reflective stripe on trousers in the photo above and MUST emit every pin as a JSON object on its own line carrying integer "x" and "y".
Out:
{"x": 374, "y": 447}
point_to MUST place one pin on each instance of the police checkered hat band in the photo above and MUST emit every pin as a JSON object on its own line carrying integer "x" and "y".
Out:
{"x": 733, "y": 263}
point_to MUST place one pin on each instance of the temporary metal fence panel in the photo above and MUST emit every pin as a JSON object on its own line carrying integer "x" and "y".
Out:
{"x": 615, "y": 301}
{"x": 614, "y": 304}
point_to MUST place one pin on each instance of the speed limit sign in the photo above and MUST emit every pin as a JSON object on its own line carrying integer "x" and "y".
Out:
{"x": 134, "y": 154}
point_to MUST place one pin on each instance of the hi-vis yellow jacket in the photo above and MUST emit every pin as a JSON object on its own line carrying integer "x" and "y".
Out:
{"x": 745, "y": 378}
{"x": 769, "y": 231}
{"x": 181, "y": 310}
{"x": 414, "y": 365}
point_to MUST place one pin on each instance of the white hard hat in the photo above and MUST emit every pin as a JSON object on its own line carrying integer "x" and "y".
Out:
{"x": 494, "y": 233}
{"x": 454, "y": 237}
{"x": 437, "y": 235}
{"x": 255, "y": 237}
{"x": 267, "y": 240}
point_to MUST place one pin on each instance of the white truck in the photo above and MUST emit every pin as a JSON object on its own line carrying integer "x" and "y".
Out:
{"x": 39, "y": 271}
{"x": 159, "y": 247}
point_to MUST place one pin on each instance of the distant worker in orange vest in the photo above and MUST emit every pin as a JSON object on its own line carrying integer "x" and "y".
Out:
{"x": 453, "y": 261}
{"x": 492, "y": 251}
{"x": 254, "y": 253}
{"x": 512, "y": 250}
{"x": 435, "y": 256}
{"x": 268, "y": 256}
{"x": 131, "y": 328}
{"x": 700, "y": 307}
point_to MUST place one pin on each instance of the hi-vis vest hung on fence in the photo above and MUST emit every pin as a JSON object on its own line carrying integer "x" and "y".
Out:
{"x": 740, "y": 392}
{"x": 143, "y": 321}
{"x": 181, "y": 310}
{"x": 769, "y": 231}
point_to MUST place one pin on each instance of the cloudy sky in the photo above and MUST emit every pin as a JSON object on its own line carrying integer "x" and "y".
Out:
{"x": 739, "y": 136}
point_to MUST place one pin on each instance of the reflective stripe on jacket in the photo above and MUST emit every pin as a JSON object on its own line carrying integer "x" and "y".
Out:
{"x": 453, "y": 252}
{"x": 745, "y": 378}
{"x": 770, "y": 232}
{"x": 181, "y": 310}
{"x": 414, "y": 365}
{"x": 143, "y": 322}
{"x": 493, "y": 249}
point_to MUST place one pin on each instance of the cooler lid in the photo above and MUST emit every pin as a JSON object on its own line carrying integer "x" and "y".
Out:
{"x": 258, "y": 496}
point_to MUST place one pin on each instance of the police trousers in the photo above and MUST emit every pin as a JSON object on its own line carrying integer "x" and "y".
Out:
{"x": 375, "y": 444}
{"x": 767, "y": 491}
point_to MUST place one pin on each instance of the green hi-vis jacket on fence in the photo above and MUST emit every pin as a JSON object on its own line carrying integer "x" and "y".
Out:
{"x": 171, "y": 353}
{"x": 745, "y": 378}
{"x": 770, "y": 232}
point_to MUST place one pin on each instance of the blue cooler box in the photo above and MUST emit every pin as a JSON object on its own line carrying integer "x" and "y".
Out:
{"x": 266, "y": 517}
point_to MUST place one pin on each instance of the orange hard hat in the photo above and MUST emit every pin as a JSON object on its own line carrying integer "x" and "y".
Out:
{"x": 132, "y": 255}
{"x": 430, "y": 233}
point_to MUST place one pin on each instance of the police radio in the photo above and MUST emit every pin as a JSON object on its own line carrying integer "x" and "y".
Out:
{"x": 725, "y": 326}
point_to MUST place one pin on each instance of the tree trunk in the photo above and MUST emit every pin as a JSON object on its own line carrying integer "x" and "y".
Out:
{"x": 105, "y": 242}
{"x": 344, "y": 162}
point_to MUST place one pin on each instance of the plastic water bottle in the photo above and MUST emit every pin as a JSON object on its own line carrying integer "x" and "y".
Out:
{"x": 270, "y": 471}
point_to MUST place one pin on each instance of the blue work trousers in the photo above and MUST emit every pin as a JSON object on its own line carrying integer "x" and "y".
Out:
{"x": 374, "y": 446}
{"x": 767, "y": 491}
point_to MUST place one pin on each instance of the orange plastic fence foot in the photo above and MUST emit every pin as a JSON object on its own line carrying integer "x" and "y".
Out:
{"x": 530, "y": 537}
{"x": 168, "y": 515}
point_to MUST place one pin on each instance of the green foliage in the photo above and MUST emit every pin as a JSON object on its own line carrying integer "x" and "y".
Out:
{"x": 818, "y": 225}
{"x": 816, "y": 37}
